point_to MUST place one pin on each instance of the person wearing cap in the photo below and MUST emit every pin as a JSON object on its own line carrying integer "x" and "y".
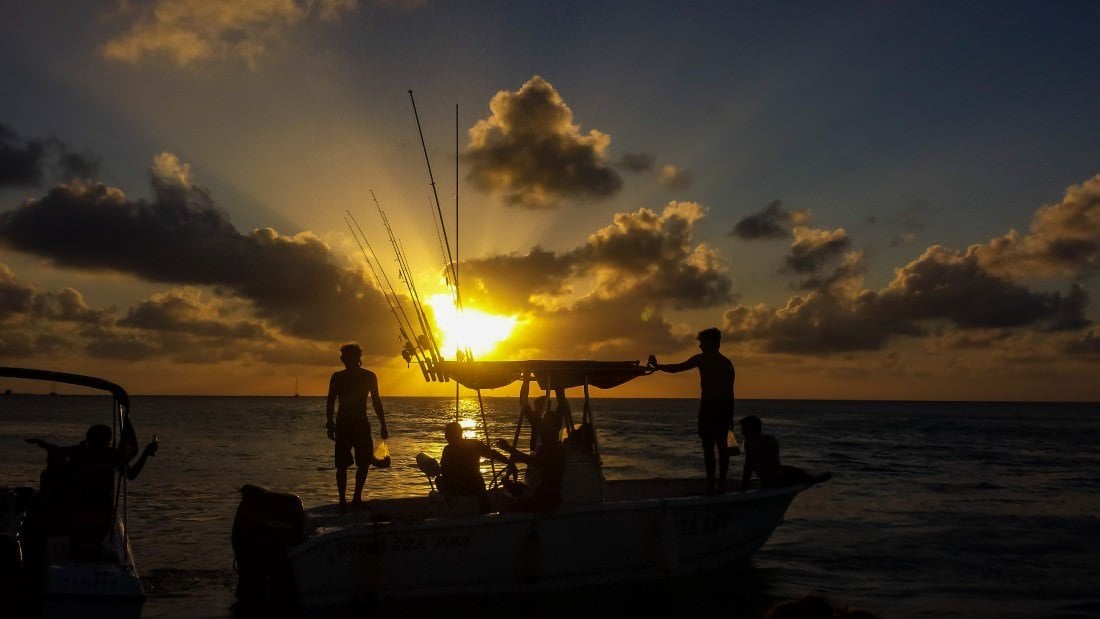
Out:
{"x": 347, "y": 422}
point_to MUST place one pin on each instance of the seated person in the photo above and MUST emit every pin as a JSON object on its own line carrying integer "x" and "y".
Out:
{"x": 762, "y": 458}
{"x": 88, "y": 475}
{"x": 545, "y": 468}
{"x": 460, "y": 466}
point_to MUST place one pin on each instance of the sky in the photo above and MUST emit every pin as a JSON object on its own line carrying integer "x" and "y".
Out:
{"x": 872, "y": 200}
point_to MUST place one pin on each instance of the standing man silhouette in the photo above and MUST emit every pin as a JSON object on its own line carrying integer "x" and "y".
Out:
{"x": 716, "y": 376}
{"x": 351, "y": 428}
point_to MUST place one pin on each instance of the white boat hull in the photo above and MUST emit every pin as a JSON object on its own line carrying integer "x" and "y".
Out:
{"x": 617, "y": 541}
{"x": 107, "y": 588}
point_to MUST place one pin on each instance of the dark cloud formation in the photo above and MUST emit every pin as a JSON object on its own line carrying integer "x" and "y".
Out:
{"x": 530, "y": 151}
{"x": 1071, "y": 310}
{"x": 182, "y": 311}
{"x": 610, "y": 293}
{"x": 181, "y": 237}
{"x": 1063, "y": 239}
{"x": 637, "y": 162}
{"x": 977, "y": 289}
{"x": 26, "y": 162}
{"x": 942, "y": 286}
{"x": 1087, "y": 345}
{"x": 507, "y": 283}
{"x": 177, "y": 325}
{"x": 774, "y": 222}
{"x": 68, "y": 305}
{"x": 15, "y": 297}
{"x": 20, "y": 302}
{"x": 813, "y": 249}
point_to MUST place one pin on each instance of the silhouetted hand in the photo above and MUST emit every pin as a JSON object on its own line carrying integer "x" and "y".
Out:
{"x": 503, "y": 444}
{"x": 151, "y": 448}
{"x": 384, "y": 432}
{"x": 330, "y": 428}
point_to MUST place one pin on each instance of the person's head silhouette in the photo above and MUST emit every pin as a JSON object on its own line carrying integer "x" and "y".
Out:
{"x": 351, "y": 355}
{"x": 710, "y": 339}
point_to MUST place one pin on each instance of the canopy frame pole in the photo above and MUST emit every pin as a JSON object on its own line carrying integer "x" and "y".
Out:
{"x": 485, "y": 426}
{"x": 590, "y": 418}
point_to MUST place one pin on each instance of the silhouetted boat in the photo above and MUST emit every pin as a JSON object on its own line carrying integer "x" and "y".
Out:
{"x": 43, "y": 574}
{"x": 628, "y": 531}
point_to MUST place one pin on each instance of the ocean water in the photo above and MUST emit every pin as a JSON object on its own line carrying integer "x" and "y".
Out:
{"x": 946, "y": 510}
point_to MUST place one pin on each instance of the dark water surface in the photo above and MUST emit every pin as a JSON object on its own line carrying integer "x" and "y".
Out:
{"x": 953, "y": 510}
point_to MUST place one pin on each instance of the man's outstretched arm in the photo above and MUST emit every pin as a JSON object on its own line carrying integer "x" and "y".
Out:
{"x": 678, "y": 367}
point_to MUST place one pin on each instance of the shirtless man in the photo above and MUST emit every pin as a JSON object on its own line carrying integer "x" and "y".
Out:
{"x": 351, "y": 428}
{"x": 716, "y": 376}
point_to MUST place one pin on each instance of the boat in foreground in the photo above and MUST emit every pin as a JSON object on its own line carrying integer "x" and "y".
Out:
{"x": 605, "y": 532}
{"x": 46, "y": 574}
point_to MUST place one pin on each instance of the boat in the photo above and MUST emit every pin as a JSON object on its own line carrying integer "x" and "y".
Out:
{"x": 606, "y": 531}
{"x": 42, "y": 569}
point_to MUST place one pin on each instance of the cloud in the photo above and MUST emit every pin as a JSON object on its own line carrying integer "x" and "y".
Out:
{"x": 15, "y": 297}
{"x": 675, "y": 177}
{"x": 1071, "y": 310}
{"x": 814, "y": 248}
{"x": 942, "y": 286}
{"x": 609, "y": 294}
{"x": 68, "y": 305}
{"x": 178, "y": 325}
{"x": 637, "y": 162}
{"x": 1063, "y": 239}
{"x": 979, "y": 288}
{"x": 774, "y": 222}
{"x": 182, "y": 237}
{"x": 184, "y": 311}
{"x": 507, "y": 283}
{"x": 530, "y": 151}
{"x": 654, "y": 253}
{"x": 21, "y": 302}
{"x": 191, "y": 32}
{"x": 26, "y": 162}
{"x": 1086, "y": 345}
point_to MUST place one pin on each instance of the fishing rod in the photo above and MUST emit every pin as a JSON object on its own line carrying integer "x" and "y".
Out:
{"x": 405, "y": 273}
{"x": 438, "y": 208}
{"x": 408, "y": 350}
{"x": 412, "y": 345}
{"x": 447, "y": 276}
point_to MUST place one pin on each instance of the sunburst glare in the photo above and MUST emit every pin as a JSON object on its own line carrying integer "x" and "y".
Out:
{"x": 470, "y": 329}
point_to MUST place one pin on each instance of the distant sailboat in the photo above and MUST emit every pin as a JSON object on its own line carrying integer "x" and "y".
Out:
{"x": 296, "y": 387}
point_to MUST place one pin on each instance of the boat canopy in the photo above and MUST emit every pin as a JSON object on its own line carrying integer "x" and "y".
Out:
{"x": 126, "y": 439}
{"x": 549, "y": 374}
{"x": 71, "y": 379}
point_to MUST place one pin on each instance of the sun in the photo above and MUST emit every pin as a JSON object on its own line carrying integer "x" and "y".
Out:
{"x": 471, "y": 329}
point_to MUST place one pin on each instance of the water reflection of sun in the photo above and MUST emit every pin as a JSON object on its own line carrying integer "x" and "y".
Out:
{"x": 470, "y": 329}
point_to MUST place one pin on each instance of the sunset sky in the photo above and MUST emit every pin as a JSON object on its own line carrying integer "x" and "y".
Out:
{"x": 889, "y": 200}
